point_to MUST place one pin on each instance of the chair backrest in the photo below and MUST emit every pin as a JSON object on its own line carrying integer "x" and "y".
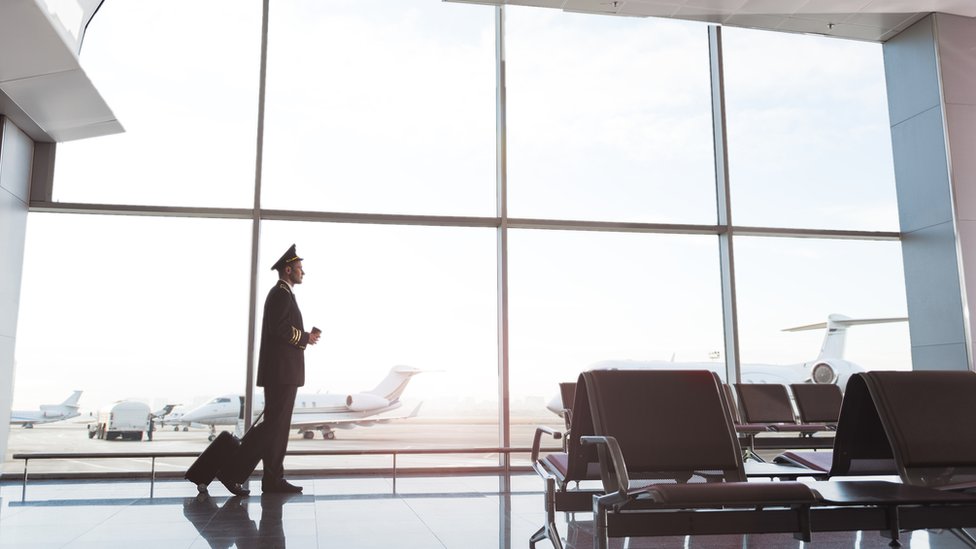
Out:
{"x": 666, "y": 421}
{"x": 567, "y": 392}
{"x": 765, "y": 403}
{"x": 731, "y": 403}
{"x": 928, "y": 417}
{"x": 817, "y": 402}
{"x": 861, "y": 446}
{"x": 579, "y": 456}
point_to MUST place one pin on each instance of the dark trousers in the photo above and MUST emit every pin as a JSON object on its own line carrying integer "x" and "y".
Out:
{"x": 279, "y": 401}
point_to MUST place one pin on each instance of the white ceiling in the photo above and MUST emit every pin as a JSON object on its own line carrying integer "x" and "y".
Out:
{"x": 871, "y": 20}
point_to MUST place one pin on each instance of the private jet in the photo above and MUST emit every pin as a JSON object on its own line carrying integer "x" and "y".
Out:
{"x": 171, "y": 415}
{"x": 316, "y": 412}
{"x": 47, "y": 413}
{"x": 829, "y": 366}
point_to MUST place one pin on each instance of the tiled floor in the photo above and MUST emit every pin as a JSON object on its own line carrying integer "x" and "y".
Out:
{"x": 464, "y": 512}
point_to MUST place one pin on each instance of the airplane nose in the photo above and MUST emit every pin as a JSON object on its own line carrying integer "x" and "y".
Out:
{"x": 192, "y": 415}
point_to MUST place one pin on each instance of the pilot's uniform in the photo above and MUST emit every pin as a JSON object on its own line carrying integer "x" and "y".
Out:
{"x": 281, "y": 370}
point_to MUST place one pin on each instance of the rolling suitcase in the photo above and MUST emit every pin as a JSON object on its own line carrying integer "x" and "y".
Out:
{"x": 222, "y": 454}
{"x": 204, "y": 468}
{"x": 239, "y": 467}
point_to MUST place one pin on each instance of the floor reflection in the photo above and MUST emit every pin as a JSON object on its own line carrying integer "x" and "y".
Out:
{"x": 230, "y": 524}
{"x": 463, "y": 512}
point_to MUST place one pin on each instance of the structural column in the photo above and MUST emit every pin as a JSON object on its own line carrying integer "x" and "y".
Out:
{"x": 16, "y": 154}
{"x": 930, "y": 70}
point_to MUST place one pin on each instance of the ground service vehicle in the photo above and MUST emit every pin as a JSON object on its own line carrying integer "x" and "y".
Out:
{"x": 125, "y": 419}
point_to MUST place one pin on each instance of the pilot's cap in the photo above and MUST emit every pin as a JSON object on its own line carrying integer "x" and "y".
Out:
{"x": 290, "y": 256}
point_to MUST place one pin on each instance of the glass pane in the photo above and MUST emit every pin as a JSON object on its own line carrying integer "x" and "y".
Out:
{"x": 187, "y": 97}
{"x": 387, "y": 296}
{"x": 784, "y": 283}
{"x": 578, "y": 299}
{"x": 380, "y": 106}
{"x": 149, "y": 309}
{"x": 809, "y": 140}
{"x": 609, "y": 118}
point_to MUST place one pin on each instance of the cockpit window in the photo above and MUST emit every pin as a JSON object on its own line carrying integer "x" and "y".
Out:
{"x": 220, "y": 400}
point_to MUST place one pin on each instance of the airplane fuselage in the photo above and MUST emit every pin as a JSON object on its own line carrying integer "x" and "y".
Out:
{"x": 18, "y": 417}
{"x": 228, "y": 410}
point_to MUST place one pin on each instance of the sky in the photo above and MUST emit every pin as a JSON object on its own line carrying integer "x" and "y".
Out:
{"x": 389, "y": 107}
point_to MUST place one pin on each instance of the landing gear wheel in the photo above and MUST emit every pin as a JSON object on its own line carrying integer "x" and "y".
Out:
{"x": 328, "y": 436}
{"x": 202, "y": 488}
{"x": 211, "y": 438}
{"x": 308, "y": 435}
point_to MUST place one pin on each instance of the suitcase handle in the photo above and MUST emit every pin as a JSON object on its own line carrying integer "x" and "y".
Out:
{"x": 256, "y": 421}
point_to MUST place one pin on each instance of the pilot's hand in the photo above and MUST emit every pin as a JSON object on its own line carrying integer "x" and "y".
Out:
{"x": 313, "y": 337}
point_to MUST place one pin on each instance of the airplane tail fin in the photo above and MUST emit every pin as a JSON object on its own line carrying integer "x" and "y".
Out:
{"x": 72, "y": 401}
{"x": 416, "y": 410}
{"x": 836, "y": 335}
{"x": 395, "y": 382}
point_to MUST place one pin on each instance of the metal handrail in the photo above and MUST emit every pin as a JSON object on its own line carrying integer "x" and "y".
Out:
{"x": 394, "y": 452}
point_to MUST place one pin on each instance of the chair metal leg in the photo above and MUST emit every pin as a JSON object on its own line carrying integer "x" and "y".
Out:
{"x": 894, "y": 529}
{"x": 539, "y": 535}
{"x": 548, "y": 530}
{"x": 964, "y": 536}
{"x": 600, "y": 539}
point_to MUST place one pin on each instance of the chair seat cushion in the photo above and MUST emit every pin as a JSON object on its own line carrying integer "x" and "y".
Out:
{"x": 559, "y": 462}
{"x": 798, "y": 427}
{"x": 730, "y": 494}
{"x": 751, "y": 428}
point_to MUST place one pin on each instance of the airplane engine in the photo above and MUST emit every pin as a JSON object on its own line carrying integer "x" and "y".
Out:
{"x": 835, "y": 370}
{"x": 365, "y": 401}
{"x": 822, "y": 372}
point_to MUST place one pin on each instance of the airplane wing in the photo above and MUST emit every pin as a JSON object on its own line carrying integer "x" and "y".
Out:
{"x": 315, "y": 421}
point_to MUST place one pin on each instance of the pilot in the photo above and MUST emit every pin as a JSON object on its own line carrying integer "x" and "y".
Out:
{"x": 281, "y": 368}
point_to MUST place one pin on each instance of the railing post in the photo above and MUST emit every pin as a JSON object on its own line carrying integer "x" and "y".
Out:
{"x": 23, "y": 491}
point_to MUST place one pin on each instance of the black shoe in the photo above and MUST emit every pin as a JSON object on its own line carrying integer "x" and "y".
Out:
{"x": 235, "y": 488}
{"x": 281, "y": 487}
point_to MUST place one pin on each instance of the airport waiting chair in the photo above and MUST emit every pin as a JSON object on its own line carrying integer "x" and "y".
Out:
{"x": 563, "y": 472}
{"x": 818, "y": 402}
{"x": 676, "y": 423}
{"x": 676, "y": 427}
{"x": 746, "y": 431}
{"x": 922, "y": 421}
{"x": 769, "y": 404}
{"x": 861, "y": 447}
{"x": 917, "y": 425}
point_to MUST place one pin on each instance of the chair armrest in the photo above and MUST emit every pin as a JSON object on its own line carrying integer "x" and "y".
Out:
{"x": 616, "y": 487}
{"x": 537, "y": 439}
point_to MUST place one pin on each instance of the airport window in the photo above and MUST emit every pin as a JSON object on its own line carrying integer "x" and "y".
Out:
{"x": 608, "y": 118}
{"x": 389, "y": 107}
{"x": 189, "y": 106}
{"x": 389, "y": 298}
{"x": 809, "y": 139}
{"x": 785, "y": 283}
{"x": 148, "y": 309}
{"x": 380, "y": 106}
{"x": 591, "y": 299}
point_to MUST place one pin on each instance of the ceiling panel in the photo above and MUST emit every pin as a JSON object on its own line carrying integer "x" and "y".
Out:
{"x": 872, "y": 20}
{"x": 45, "y": 90}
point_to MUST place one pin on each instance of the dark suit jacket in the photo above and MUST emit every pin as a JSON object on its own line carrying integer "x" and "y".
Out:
{"x": 281, "y": 360}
